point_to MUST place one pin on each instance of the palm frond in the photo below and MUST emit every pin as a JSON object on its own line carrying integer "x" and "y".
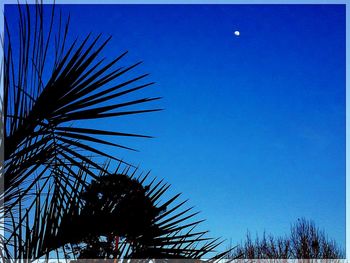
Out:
{"x": 119, "y": 205}
{"x": 50, "y": 172}
{"x": 66, "y": 222}
{"x": 81, "y": 86}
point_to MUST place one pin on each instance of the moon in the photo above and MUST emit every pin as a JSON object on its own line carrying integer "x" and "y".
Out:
{"x": 237, "y": 33}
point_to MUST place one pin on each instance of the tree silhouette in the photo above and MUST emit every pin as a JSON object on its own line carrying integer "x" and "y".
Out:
{"x": 119, "y": 218}
{"x": 59, "y": 197}
{"x": 305, "y": 241}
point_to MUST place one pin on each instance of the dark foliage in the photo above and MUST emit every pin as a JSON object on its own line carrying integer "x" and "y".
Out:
{"x": 121, "y": 218}
{"x": 60, "y": 200}
{"x": 40, "y": 114}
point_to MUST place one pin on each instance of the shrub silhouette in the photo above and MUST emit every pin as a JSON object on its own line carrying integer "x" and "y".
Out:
{"x": 305, "y": 241}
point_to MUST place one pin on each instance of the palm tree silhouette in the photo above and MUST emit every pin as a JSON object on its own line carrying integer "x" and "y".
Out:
{"x": 60, "y": 198}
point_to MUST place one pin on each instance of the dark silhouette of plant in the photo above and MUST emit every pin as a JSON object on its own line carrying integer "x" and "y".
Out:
{"x": 40, "y": 114}
{"x": 305, "y": 241}
{"x": 55, "y": 182}
{"x": 121, "y": 218}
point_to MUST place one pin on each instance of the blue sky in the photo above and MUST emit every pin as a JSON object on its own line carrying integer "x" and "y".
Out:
{"x": 253, "y": 130}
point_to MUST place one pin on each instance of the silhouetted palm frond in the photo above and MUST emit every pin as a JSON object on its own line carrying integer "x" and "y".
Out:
{"x": 41, "y": 109}
{"x": 50, "y": 87}
{"x": 127, "y": 212}
{"x": 59, "y": 200}
{"x": 116, "y": 216}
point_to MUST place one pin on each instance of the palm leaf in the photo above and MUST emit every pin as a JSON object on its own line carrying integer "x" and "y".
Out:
{"x": 38, "y": 149}
{"x": 78, "y": 89}
{"x": 169, "y": 233}
{"x": 51, "y": 161}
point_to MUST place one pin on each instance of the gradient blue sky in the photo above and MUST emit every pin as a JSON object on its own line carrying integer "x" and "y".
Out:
{"x": 253, "y": 131}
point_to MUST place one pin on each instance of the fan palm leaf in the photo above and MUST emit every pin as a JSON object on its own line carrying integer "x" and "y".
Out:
{"x": 78, "y": 88}
{"x": 67, "y": 225}
{"x": 49, "y": 158}
{"x": 128, "y": 210}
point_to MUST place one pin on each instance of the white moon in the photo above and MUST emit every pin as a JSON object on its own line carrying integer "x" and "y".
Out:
{"x": 237, "y": 33}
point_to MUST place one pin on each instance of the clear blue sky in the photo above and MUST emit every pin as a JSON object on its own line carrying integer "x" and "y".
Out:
{"x": 253, "y": 131}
